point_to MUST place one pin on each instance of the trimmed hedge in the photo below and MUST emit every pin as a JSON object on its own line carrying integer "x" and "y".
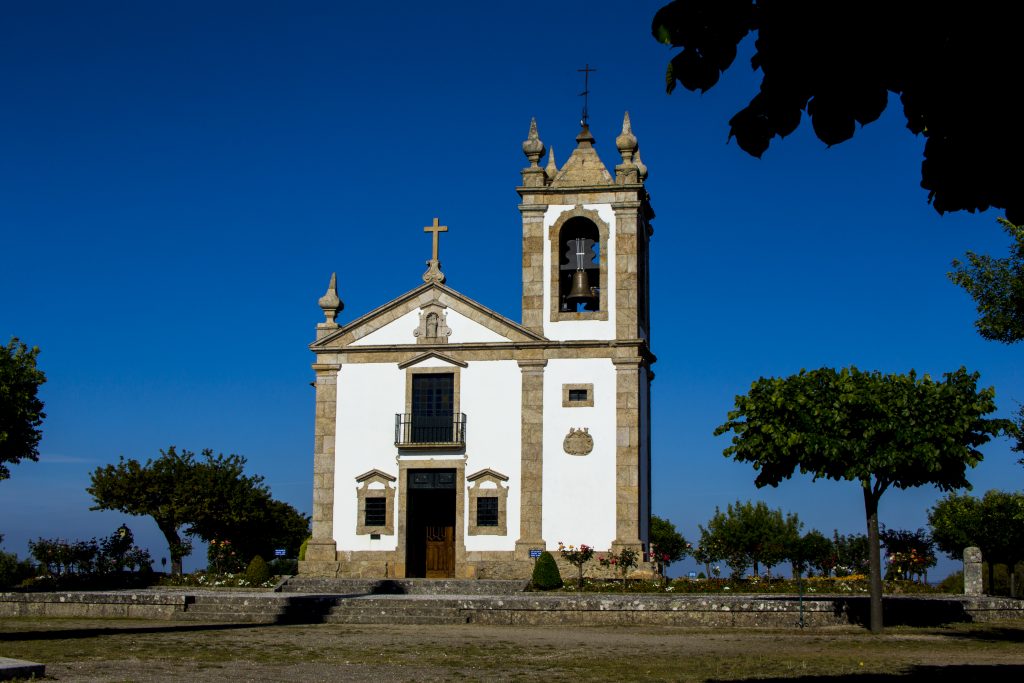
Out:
{"x": 546, "y": 576}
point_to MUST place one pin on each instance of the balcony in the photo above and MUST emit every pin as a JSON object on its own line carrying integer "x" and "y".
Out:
{"x": 419, "y": 431}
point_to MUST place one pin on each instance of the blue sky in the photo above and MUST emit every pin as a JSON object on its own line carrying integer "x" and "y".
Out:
{"x": 178, "y": 181}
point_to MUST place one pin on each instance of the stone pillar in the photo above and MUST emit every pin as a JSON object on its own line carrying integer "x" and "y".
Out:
{"x": 322, "y": 547}
{"x": 627, "y": 453}
{"x": 972, "y": 571}
{"x": 627, "y": 293}
{"x": 531, "y": 492}
{"x": 533, "y": 266}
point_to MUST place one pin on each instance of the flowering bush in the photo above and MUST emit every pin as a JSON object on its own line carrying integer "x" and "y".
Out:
{"x": 623, "y": 562}
{"x": 222, "y": 558}
{"x": 577, "y": 557}
{"x": 211, "y": 580}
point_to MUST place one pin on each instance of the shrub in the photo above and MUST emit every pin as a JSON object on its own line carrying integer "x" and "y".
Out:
{"x": 257, "y": 572}
{"x": 954, "y": 583}
{"x": 545, "y": 573}
{"x": 302, "y": 548}
{"x": 13, "y": 571}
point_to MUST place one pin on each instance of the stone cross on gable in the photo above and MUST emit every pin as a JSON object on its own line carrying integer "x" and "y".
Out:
{"x": 434, "y": 273}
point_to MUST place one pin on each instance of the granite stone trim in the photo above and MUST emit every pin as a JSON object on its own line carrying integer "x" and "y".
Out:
{"x": 487, "y": 351}
{"x": 531, "y": 459}
{"x": 627, "y": 454}
{"x": 387, "y": 493}
{"x": 533, "y": 266}
{"x": 476, "y": 492}
{"x": 586, "y": 403}
{"x": 322, "y": 546}
{"x": 604, "y": 231}
{"x": 627, "y": 254}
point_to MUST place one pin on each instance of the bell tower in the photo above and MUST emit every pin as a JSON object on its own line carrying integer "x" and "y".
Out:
{"x": 586, "y": 241}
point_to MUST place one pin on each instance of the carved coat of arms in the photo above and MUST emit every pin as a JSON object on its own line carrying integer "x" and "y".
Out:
{"x": 578, "y": 441}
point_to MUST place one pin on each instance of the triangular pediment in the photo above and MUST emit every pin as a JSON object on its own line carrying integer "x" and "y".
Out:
{"x": 394, "y": 323}
{"x": 583, "y": 168}
{"x": 432, "y": 355}
{"x": 375, "y": 474}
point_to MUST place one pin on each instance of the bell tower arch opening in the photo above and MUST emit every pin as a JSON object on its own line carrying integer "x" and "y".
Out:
{"x": 579, "y": 268}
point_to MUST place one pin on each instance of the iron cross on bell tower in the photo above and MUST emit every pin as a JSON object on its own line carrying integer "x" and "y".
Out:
{"x": 586, "y": 71}
{"x": 434, "y": 273}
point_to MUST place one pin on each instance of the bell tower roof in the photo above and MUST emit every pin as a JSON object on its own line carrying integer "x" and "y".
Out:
{"x": 583, "y": 168}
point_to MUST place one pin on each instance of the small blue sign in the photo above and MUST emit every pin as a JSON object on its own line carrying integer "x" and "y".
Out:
{"x": 279, "y": 552}
{"x": 692, "y": 575}
{"x": 535, "y": 553}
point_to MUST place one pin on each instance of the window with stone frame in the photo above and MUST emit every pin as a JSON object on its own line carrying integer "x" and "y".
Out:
{"x": 578, "y": 395}
{"x": 488, "y": 503}
{"x": 376, "y": 500}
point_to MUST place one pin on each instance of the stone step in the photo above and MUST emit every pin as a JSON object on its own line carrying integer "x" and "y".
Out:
{"x": 394, "y": 618}
{"x": 304, "y": 584}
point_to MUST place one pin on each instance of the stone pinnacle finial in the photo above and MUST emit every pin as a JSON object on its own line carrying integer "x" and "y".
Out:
{"x": 533, "y": 148}
{"x": 330, "y": 303}
{"x": 640, "y": 165}
{"x": 626, "y": 142}
{"x": 552, "y": 167}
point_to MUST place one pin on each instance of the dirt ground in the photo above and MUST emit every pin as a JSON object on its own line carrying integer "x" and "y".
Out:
{"x": 142, "y": 650}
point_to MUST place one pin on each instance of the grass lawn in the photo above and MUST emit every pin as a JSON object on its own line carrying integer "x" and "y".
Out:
{"x": 145, "y": 650}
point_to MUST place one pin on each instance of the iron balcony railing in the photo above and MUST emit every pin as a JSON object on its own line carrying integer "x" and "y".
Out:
{"x": 419, "y": 431}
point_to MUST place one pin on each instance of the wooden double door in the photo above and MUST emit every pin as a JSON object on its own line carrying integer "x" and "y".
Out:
{"x": 430, "y": 524}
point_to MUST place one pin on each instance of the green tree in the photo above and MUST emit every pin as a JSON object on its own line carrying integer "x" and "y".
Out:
{"x": 997, "y": 287}
{"x": 750, "y": 534}
{"x": 879, "y": 430}
{"x": 208, "y": 496}
{"x": 813, "y": 550}
{"x": 21, "y": 411}
{"x": 668, "y": 544}
{"x": 993, "y": 523}
{"x": 852, "y": 554}
{"x": 839, "y": 61}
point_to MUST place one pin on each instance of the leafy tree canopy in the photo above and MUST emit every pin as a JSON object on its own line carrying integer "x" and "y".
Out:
{"x": 21, "y": 411}
{"x": 208, "y": 496}
{"x": 750, "y": 534}
{"x": 669, "y": 544}
{"x": 997, "y": 287}
{"x": 993, "y": 523}
{"x": 949, "y": 64}
{"x": 878, "y": 430}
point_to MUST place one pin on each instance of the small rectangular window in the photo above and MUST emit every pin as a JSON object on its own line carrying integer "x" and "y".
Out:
{"x": 487, "y": 511}
{"x": 376, "y": 512}
{"x": 578, "y": 395}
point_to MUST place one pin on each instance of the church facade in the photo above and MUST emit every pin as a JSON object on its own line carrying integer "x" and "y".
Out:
{"x": 451, "y": 441}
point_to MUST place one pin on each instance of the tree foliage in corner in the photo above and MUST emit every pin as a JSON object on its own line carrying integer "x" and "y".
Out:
{"x": 208, "y": 496}
{"x": 994, "y": 523}
{"x": 997, "y": 287}
{"x": 879, "y": 430}
{"x": 21, "y": 411}
{"x": 949, "y": 64}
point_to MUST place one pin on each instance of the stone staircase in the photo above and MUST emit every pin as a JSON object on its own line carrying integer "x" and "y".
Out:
{"x": 320, "y": 609}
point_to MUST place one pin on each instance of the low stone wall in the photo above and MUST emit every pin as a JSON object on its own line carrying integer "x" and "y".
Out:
{"x": 357, "y": 606}
{"x": 149, "y": 605}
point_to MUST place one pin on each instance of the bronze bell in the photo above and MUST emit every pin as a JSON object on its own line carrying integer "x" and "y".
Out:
{"x": 580, "y": 290}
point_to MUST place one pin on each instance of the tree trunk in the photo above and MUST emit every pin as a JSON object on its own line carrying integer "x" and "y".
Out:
{"x": 874, "y": 558}
{"x": 170, "y": 532}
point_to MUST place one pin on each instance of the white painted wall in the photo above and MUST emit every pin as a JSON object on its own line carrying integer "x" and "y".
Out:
{"x": 491, "y": 395}
{"x": 580, "y": 329}
{"x": 370, "y": 394}
{"x": 579, "y": 491}
{"x": 466, "y": 331}
{"x": 400, "y": 331}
